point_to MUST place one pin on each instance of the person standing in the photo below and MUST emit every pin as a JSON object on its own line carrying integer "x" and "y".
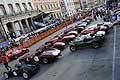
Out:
{"x": 5, "y": 61}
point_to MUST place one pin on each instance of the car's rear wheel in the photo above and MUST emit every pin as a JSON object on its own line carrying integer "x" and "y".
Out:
{"x": 72, "y": 48}
{"x": 36, "y": 59}
{"x": 26, "y": 75}
{"x": 95, "y": 45}
{"x": 6, "y": 75}
{"x": 26, "y": 51}
{"x": 45, "y": 60}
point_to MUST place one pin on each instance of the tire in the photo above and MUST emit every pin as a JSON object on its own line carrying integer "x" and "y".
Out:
{"x": 27, "y": 51}
{"x": 45, "y": 60}
{"x": 15, "y": 73}
{"x": 95, "y": 45}
{"x": 25, "y": 75}
{"x": 72, "y": 48}
{"x": 6, "y": 75}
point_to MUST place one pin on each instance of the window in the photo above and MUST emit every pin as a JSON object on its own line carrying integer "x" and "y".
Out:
{"x": 51, "y": 5}
{"x": 25, "y": 7}
{"x": 2, "y": 10}
{"x": 45, "y": 7}
{"x": 11, "y": 9}
{"x": 48, "y": 6}
{"x": 54, "y": 6}
{"x": 18, "y": 8}
{"x": 30, "y": 5}
{"x": 41, "y": 7}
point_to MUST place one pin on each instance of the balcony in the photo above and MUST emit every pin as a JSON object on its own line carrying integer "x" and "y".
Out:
{"x": 23, "y": 15}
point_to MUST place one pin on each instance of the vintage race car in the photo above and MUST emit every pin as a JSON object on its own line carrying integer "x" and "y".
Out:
{"x": 24, "y": 70}
{"x": 42, "y": 56}
{"x": 16, "y": 52}
{"x": 57, "y": 45}
{"x": 94, "y": 29}
{"x": 85, "y": 41}
{"x": 72, "y": 33}
{"x": 83, "y": 24}
{"x": 89, "y": 31}
{"x": 64, "y": 38}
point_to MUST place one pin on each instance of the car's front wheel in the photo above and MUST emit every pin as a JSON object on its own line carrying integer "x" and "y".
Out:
{"x": 15, "y": 73}
{"x": 26, "y": 75}
{"x": 72, "y": 48}
{"x": 45, "y": 60}
{"x": 95, "y": 45}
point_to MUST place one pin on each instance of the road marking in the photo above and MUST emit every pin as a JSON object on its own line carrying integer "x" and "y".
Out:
{"x": 114, "y": 54}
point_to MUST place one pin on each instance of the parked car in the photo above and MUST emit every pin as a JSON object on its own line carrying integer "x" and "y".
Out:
{"x": 24, "y": 70}
{"x": 85, "y": 41}
{"x": 57, "y": 45}
{"x": 16, "y": 52}
{"x": 29, "y": 58}
{"x": 64, "y": 38}
{"x": 95, "y": 28}
{"x": 42, "y": 55}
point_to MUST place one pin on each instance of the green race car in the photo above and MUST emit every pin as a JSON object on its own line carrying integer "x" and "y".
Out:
{"x": 85, "y": 41}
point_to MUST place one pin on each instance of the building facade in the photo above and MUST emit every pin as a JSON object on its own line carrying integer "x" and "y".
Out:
{"x": 16, "y": 17}
{"x": 48, "y": 6}
{"x": 91, "y": 3}
{"x": 72, "y": 6}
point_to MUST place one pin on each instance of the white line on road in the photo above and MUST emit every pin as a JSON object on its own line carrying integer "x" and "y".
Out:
{"x": 114, "y": 54}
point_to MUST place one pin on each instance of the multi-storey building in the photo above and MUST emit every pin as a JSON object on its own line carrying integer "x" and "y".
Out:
{"x": 91, "y": 3}
{"x": 72, "y": 6}
{"x": 16, "y": 17}
{"x": 48, "y": 6}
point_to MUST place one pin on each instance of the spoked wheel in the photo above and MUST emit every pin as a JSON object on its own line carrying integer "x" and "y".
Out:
{"x": 72, "y": 48}
{"x": 45, "y": 60}
{"x": 36, "y": 59}
{"x": 26, "y": 75}
{"x": 95, "y": 45}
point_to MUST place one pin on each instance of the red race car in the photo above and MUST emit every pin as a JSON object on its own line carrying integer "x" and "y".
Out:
{"x": 64, "y": 38}
{"x": 58, "y": 45}
{"x": 94, "y": 29}
{"x": 43, "y": 56}
{"x": 16, "y": 52}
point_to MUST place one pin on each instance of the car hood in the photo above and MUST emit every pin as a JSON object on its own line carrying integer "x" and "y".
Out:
{"x": 99, "y": 33}
{"x": 27, "y": 56}
{"x": 17, "y": 51}
{"x": 54, "y": 52}
{"x": 70, "y": 36}
{"x": 59, "y": 43}
{"x": 74, "y": 32}
{"x": 28, "y": 67}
